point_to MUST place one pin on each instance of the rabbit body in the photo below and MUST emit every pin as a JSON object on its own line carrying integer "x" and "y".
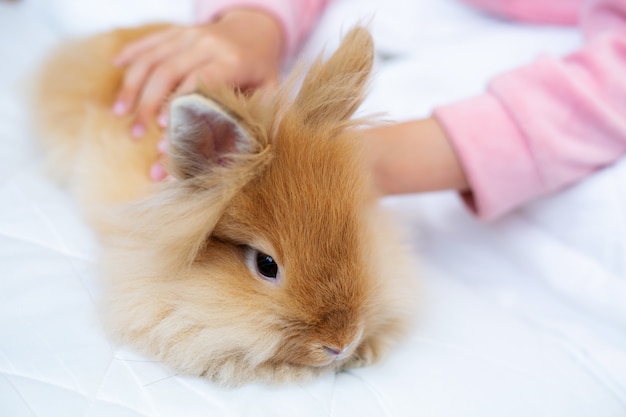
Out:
{"x": 268, "y": 258}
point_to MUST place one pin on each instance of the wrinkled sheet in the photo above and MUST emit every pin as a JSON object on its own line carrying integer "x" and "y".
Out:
{"x": 525, "y": 316}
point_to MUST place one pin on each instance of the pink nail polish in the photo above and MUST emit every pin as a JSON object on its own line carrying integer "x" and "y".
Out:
{"x": 157, "y": 173}
{"x": 163, "y": 120}
{"x": 162, "y": 146}
{"x": 137, "y": 131}
{"x": 119, "y": 108}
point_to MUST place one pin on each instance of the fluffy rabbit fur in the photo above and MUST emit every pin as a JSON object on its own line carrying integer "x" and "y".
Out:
{"x": 259, "y": 179}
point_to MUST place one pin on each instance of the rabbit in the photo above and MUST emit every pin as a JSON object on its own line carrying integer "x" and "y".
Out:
{"x": 268, "y": 258}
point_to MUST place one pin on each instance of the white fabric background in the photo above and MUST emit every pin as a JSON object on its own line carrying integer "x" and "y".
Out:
{"x": 522, "y": 317}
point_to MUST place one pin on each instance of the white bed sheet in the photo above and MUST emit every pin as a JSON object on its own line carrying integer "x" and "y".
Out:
{"x": 525, "y": 316}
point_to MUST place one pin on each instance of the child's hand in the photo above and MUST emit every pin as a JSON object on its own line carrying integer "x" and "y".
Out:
{"x": 157, "y": 172}
{"x": 243, "y": 48}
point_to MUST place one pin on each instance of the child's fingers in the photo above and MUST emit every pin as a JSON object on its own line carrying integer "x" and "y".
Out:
{"x": 189, "y": 84}
{"x": 162, "y": 146}
{"x": 213, "y": 75}
{"x": 139, "y": 72}
{"x": 164, "y": 118}
{"x": 157, "y": 172}
{"x": 132, "y": 50}
{"x": 164, "y": 79}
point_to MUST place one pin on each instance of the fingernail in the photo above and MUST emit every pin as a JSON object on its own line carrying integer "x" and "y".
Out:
{"x": 162, "y": 146}
{"x": 157, "y": 173}
{"x": 163, "y": 120}
{"x": 118, "y": 62}
{"x": 137, "y": 131}
{"x": 119, "y": 108}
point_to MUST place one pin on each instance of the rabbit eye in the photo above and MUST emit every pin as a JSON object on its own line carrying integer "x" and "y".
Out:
{"x": 263, "y": 264}
{"x": 266, "y": 266}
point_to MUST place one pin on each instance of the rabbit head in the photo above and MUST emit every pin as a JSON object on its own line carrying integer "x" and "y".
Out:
{"x": 268, "y": 257}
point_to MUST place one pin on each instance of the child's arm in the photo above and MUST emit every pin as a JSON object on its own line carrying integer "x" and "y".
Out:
{"x": 539, "y": 128}
{"x": 414, "y": 156}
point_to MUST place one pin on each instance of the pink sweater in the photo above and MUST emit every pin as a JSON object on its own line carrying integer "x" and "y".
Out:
{"x": 537, "y": 129}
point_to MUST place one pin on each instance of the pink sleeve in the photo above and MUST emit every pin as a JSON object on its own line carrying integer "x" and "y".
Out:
{"x": 297, "y": 17}
{"x": 561, "y": 12}
{"x": 547, "y": 125}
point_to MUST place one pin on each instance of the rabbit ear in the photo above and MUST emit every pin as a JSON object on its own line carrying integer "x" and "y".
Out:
{"x": 202, "y": 135}
{"x": 333, "y": 90}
